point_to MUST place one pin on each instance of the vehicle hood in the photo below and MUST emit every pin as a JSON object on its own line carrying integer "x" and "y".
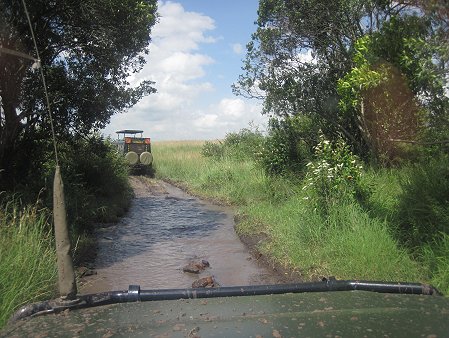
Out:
{"x": 323, "y": 314}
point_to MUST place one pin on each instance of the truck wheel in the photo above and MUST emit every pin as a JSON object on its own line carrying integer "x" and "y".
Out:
{"x": 146, "y": 158}
{"x": 132, "y": 157}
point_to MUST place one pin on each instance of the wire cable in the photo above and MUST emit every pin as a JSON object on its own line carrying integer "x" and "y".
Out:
{"x": 43, "y": 82}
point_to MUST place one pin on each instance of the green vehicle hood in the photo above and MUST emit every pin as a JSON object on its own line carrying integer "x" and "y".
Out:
{"x": 317, "y": 314}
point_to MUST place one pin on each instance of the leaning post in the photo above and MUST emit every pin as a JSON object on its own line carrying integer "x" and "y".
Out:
{"x": 66, "y": 273}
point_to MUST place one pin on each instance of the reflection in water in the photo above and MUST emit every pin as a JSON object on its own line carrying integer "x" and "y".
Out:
{"x": 160, "y": 235}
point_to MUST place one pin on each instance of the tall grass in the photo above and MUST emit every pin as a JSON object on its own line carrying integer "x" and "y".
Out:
{"x": 348, "y": 241}
{"x": 28, "y": 261}
{"x": 96, "y": 189}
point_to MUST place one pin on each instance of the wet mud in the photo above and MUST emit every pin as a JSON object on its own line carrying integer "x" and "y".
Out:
{"x": 165, "y": 230}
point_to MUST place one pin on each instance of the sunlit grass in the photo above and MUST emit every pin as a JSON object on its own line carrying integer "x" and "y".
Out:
{"x": 349, "y": 243}
{"x": 28, "y": 261}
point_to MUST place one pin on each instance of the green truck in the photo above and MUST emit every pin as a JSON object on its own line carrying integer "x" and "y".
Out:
{"x": 136, "y": 149}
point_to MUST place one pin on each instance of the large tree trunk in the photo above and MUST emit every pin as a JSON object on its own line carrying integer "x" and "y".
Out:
{"x": 9, "y": 133}
{"x": 12, "y": 73}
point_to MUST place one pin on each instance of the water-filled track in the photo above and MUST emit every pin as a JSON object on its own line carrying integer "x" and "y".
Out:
{"x": 163, "y": 231}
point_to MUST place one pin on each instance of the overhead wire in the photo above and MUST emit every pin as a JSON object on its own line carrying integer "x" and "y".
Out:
{"x": 39, "y": 62}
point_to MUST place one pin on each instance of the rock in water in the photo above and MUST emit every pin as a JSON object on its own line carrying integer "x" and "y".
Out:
{"x": 196, "y": 267}
{"x": 205, "y": 282}
{"x": 191, "y": 268}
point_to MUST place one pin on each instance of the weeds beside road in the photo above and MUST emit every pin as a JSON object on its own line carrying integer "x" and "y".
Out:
{"x": 354, "y": 238}
{"x": 28, "y": 259}
{"x": 96, "y": 189}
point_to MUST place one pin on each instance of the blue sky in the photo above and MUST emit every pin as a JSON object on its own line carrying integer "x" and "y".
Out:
{"x": 195, "y": 55}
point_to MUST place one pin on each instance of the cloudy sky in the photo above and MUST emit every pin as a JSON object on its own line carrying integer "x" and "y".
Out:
{"x": 195, "y": 55}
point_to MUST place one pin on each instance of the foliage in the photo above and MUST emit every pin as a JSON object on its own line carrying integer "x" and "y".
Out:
{"x": 245, "y": 143}
{"x": 289, "y": 145}
{"x": 96, "y": 181}
{"x": 87, "y": 50}
{"x": 396, "y": 87}
{"x": 300, "y": 50}
{"x": 346, "y": 241}
{"x": 435, "y": 256}
{"x": 28, "y": 260}
{"x": 423, "y": 210}
{"x": 333, "y": 174}
{"x": 213, "y": 150}
{"x": 303, "y": 51}
{"x": 361, "y": 76}
{"x": 277, "y": 67}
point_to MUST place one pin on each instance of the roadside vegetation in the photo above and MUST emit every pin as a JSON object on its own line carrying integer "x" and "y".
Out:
{"x": 97, "y": 190}
{"x": 86, "y": 83}
{"x": 351, "y": 178}
{"x": 336, "y": 217}
{"x": 28, "y": 259}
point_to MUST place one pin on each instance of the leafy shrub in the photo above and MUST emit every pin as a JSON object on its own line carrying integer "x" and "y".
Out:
{"x": 96, "y": 181}
{"x": 245, "y": 144}
{"x": 213, "y": 150}
{"x": 289, "y": 145}
{"x": 334, "y": 171}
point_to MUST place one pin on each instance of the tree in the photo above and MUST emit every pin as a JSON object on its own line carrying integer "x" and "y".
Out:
{"x": 302, "y": 48}
{"x": 299, "y": 51}
{"x": 88, "y": 49}
{"x": 396, "y": 86}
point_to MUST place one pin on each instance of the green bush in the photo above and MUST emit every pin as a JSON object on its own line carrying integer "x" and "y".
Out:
{"x": 245, "y": 144}
{"x": 289, "y": 145}
{"x": 423, "y": 210}
{"x": 213, "y": 150}
{"x": 334, "y": 173}
{"x": 96, "y": 182}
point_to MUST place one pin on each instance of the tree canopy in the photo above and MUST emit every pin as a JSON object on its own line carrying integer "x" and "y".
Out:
{"x": 304, "y": 53}
{"x": 88, "y": 49}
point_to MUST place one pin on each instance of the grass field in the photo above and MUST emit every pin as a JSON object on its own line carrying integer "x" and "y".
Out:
{"x": 349, "y": 242}
{"x": 28, "y": 261}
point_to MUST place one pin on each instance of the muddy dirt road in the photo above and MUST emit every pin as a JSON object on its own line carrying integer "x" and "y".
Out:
{"x": 163, "y": 231}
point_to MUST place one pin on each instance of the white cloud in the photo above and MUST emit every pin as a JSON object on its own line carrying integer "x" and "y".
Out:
{"x": 228, "y": 115}
{"x": 234, "y": 108}
{"x": 181, "y": 30}
{"x": 174, "y": 63}
{"x": 206, "y": 121}
{"x": 237, "y": 48}
{"x": 183, "y": 66}
{"x": 182, "y": 108}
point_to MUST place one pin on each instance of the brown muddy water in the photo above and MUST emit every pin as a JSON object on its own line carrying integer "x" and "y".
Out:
{"x": 163, "y": 231}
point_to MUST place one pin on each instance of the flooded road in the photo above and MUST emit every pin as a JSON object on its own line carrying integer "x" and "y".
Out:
{"x": 163, "y": 231}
